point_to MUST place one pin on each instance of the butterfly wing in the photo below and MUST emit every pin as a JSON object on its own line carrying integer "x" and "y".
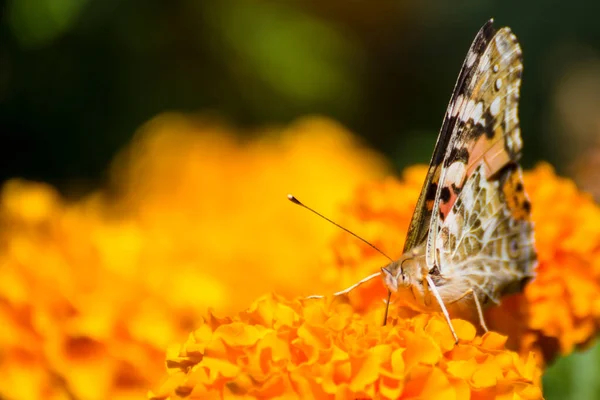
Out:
{"x": 479, "y": 228}
{"x": 419, "y": 226}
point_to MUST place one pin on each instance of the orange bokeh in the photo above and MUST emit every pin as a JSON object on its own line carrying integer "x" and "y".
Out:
{"x": 92, "y": 292}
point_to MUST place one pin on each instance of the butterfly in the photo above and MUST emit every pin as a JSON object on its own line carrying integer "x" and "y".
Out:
{"x": 470, "y": 240}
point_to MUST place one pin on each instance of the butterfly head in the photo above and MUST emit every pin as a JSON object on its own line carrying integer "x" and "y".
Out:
{"x": 405, "y": 271}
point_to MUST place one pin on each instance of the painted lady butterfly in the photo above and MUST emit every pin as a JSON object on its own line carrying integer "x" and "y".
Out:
{"x": 470, "y": 240}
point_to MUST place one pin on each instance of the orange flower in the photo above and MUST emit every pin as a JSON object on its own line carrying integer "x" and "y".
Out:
{"x": 564, "y": 300}
{"x": 92, "y": 292}
{"x": 318, "y": 349}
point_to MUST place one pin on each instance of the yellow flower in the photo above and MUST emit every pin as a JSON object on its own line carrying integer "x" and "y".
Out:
{"x": 216, "y": 205}
{"x": 317, "y": 349}
{"x": 92, "y": 292}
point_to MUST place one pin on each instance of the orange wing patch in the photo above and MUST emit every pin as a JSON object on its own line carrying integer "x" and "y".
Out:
{"x": 515, "y": 196}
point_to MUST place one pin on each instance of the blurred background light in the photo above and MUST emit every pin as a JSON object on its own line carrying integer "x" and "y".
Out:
{"x": 38, "y": 22}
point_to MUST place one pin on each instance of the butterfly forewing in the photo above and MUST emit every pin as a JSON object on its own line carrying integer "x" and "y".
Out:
{"x": 480, "y": 237}
{"x": 486, "y": 136}
{"x": 419, "y": 225}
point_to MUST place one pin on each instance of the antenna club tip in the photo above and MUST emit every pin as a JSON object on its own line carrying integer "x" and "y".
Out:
{"x": 293, "y": 199}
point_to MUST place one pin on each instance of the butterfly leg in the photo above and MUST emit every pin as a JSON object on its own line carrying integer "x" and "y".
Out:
{"x": 437, "y": 296}
{"x": 477, "y": 305}
{"x": 479, "y": 310}
{"x": 348, "y": 289}
{"x": 462, "y": 296}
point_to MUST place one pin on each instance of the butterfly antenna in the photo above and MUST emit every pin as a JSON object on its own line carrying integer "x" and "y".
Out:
{"x": 299, "y": 203}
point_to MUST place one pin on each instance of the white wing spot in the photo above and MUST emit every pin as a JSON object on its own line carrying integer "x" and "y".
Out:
{"x": 516, "y": 141}
{"x": 471, "y": 57}
{"x": 468, "y": 109}
{"x": 457, "y": 105}
{"x": 456, "y": 173}
{"x": 477, "y": 113}
{"x": 498, "y": 83}
{"x": 484, "y": 64}
{"x": 502, "y": 44}
{"x": 512, "y": 115}
{"x": 495, "y": 107}
{"x": 495, "y": 68}
{"x": 510, "y": 143}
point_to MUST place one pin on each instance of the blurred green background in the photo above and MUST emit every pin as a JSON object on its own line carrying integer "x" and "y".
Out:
{"x": 77, "y": 77}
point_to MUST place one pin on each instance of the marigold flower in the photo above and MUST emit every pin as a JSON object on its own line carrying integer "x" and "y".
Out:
{"x": 92, "y": 292}
{"x": 321, "y": 349}
{"x": 563, "y": 303}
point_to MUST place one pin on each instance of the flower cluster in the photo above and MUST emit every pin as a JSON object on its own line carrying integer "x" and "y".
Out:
{"x": 322, "y": 349}
{"x": 563, "y": 303}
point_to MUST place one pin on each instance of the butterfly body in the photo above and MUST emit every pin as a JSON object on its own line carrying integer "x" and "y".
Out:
{"x": 470, "y": 240}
